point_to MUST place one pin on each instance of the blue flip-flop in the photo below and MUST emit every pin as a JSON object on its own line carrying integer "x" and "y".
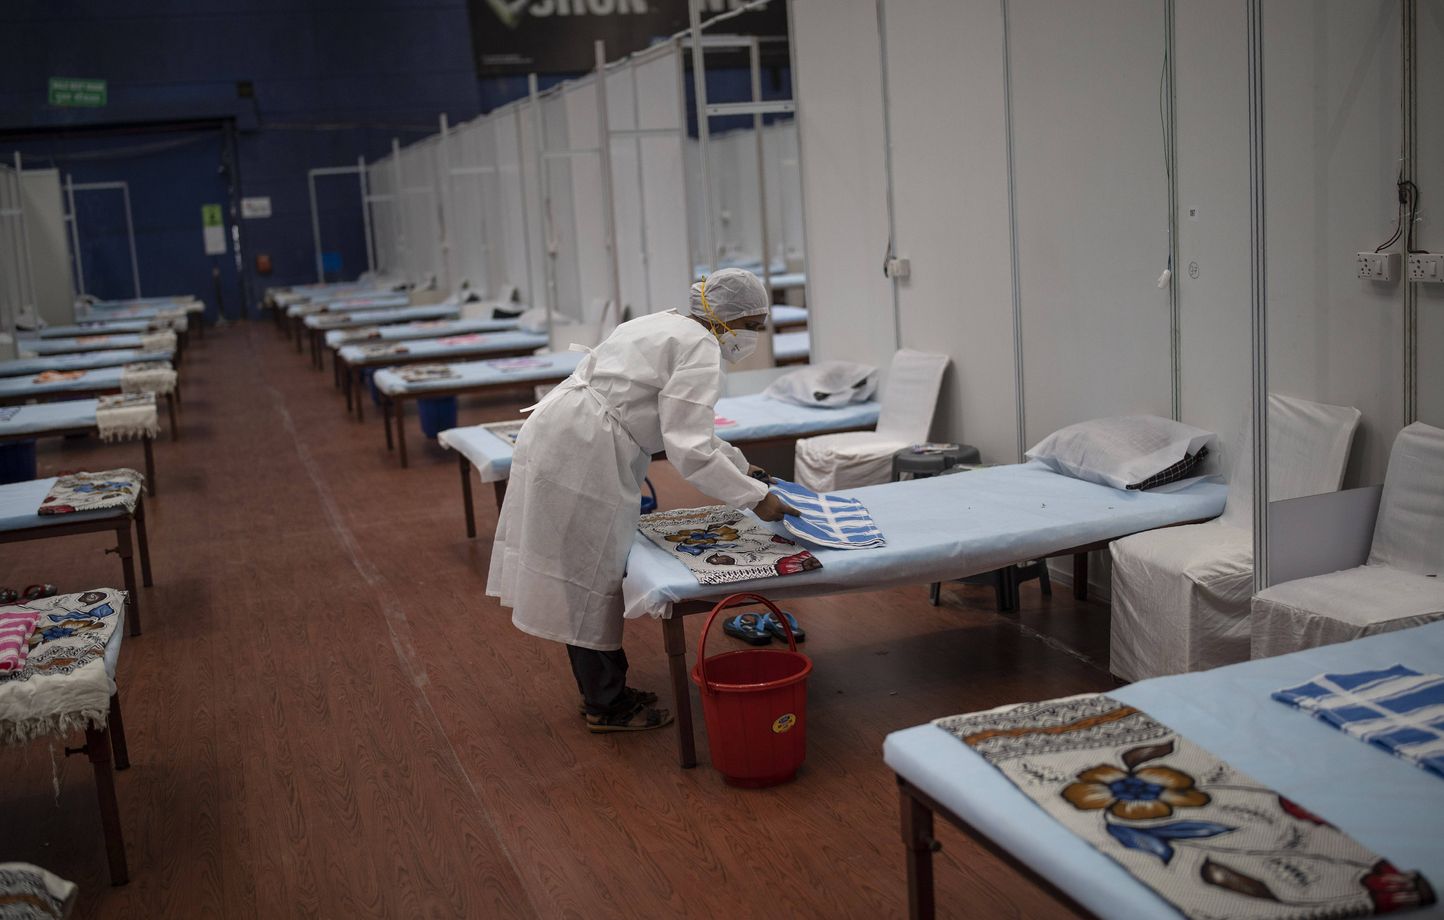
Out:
{"x": 748, "y": 627}
{"x": 774, "y": 628}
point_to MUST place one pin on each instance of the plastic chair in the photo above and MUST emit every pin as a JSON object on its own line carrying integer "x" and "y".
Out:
{"x": 863, "y": 458}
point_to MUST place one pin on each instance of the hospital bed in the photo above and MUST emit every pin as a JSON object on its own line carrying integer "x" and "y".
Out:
{"x": 397, "y": 332}
{"x": 80, "y": 361}
{"x": 21, "y": 522}
{"x": 785, "y": 317}
{"x": 104, "y": 743}
{"x": 792, "y": 347}
{"x": 937, "y": 529}
{"x": 473, "y": 378}
{"x": 296, "y": 313}
{"x": 317, "y": 328}
{"x": 1382, "y": 801}
{"x": 61, "y": 419}
{"x": 97, "y": 327}
{"x": 96, "y": 382}
{"x": 353, "y": 361}
{"x": 86, "y": 343}
{"x": 755, "y": 421}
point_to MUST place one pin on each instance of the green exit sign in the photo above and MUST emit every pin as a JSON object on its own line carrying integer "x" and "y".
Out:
{"x": 71, "y": 91}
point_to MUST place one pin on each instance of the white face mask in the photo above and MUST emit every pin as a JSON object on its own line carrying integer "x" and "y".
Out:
{"x": 738, "y": 344}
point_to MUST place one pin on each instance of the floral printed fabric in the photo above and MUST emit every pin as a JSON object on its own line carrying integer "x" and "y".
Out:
{"x": 420, "y": 373}
{"x": 30, "y": 893}
{"x": 507, "y": 431}
{"x": 93, "y": 492}
{"x": 1210, "y": 840}
{"x": 719, "y": 545}
{"x": 64, "y": 685}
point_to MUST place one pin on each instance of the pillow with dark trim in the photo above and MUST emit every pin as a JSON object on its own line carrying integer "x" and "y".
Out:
{"x": 1128, "y": 452}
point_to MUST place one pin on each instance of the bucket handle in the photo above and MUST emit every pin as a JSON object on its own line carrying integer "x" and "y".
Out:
{"x": 736, "y": 600}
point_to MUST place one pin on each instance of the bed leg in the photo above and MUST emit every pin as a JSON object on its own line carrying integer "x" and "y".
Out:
{"x": 386, "y": 422}
{"x": 344, "y": 373}
{"x": 170, "y": 408}
{"x": 674, "y": 637}
{"x": 97, "y": 747}
{"x": 1045, "y": 581}
{"x": 116, "y": 727}
{"x": 500, "y": 489}
{"x": 143, "y": 539}
{"x": 466, "y": 505}
{"x": 124, "y": 549}
{"x": 358, "y": 384}
{"x": 917, "y": 833}
{"x": 400, "y": 429}
{"x": 1080, "y": 576}
{"x": 935, "y": 593}
{"x": 149, "y": 465}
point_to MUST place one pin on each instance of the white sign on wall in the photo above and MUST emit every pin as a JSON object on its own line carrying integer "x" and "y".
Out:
{"x": 256, "y": 207}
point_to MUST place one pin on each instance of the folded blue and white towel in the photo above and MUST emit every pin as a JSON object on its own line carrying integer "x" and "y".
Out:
{"x": 828, "y": 520}
{"x": 1397, "y": 709}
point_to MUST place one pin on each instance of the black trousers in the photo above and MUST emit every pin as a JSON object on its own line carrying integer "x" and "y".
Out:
{"x": 601, "y": 677}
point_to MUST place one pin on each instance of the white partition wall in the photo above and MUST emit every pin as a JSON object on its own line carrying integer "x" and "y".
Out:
{"x": 950, "y": 199}
{"x": 516, "y": 241}
{"x": 421, "y": 213}
{"x": 387, "y": 229}
{"x": 1429, "y": 171}
{"x": 838, "y": 83}
{"x": 46, "y": 246}
{"x": 15, "y": 292}
{"x": 469, "y": 181}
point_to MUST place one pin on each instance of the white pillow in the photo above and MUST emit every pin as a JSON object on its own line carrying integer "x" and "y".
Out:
{"x": 1123, "y": 452}
{"x": 828, "y": 385}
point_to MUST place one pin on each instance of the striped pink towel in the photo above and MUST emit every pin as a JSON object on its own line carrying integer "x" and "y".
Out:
{"x": 15, "y": 629}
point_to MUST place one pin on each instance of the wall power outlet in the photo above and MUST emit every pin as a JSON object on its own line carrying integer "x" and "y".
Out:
{"x": 1426, "y": 266}
{"x": 1378, "y": 266}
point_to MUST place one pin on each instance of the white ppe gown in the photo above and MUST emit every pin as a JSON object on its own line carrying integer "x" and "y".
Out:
{"x": 574, "y": 498}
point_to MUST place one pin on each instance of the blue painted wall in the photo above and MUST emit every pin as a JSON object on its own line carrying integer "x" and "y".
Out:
{"x": 332, "y": 81}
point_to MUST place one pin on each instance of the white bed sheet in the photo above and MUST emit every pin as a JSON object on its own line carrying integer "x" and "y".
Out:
{"x": 784, "y": 315}
{"x": 437, "y": 349}
{"x": 80, "y": 361}
{"x": 943, "y": 528}
{"x": 485, "y": 373}
{"x": 1383, "y": 802}
{"x": 788, "y": 346}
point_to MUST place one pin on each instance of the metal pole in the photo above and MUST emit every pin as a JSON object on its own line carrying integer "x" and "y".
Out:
{"x": 404, "y": 237}
{"x": 544, "y": 196}
{"x": 641, "y": 191}
{"x": 525, "y": 219}
{"x": 604, "y": 146}
{"x": 756, "y": 54}
{"x": 1013, "y": 253}
{"x": 1258, "y": 295}
{"x": 366, "y": 213}
{"x": 316, "y": 227}
{"x": 699, "y": 92}
{"x": 130, "y": 230}
{"x": 28, "y": 295}
{"x": 75, "y": 235}
{"x": 1170, "y": 142}
{"x": 444, "y": 195}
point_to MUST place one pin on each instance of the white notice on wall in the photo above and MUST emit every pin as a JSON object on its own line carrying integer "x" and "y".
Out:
{"x": 215, "y": 241}
{"x": 256, "y": 207}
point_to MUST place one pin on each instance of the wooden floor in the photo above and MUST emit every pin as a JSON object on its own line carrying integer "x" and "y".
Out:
{"x": 328, "y": 718}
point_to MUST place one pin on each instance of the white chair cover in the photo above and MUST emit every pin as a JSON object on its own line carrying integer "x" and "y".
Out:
{"x": 861, "y": 458}
{"x": 1181, "y": 595}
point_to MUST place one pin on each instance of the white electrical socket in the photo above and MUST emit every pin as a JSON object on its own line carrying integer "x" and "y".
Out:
{"x": 1426, "y": 266}
{"x": 1378, "y": 266}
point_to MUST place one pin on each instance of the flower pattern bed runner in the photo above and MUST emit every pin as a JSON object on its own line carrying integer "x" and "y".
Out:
{"x": 63, "y": 686}
{"x": 93, "y": 492}
{"x": 720, "y": 545}
{"x": 420, "y": 373}
{"x": 1209, "y": 839}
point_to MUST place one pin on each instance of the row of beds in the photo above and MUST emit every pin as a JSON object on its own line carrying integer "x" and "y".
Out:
{"x": 952, "y": 527}
{"x": 107, "y": 336}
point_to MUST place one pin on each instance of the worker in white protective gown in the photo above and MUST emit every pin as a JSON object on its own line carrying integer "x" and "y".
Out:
{"x": 572, "y": 505}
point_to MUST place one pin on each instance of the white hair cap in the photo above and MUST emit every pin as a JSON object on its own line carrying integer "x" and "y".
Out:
{"x": 732, "y": 293}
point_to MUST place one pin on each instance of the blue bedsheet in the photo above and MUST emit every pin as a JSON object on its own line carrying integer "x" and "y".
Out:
{"x": 1383, "y": 802}
{"x": 351, "y": 303}
{"x": 98, "y": 327}
{"x": 44, "y": 347}
{"x": 20, "y": 506}
{"x": 440, "y": 350}
{"x": 107, "y": 378}
{"x": 79, "y": 361}
{"x": 380, "y": 317}
{"x": 397, "y": 331}
{"x": 757, "y": 418}
{"x": 43, "y": 418}
{"x": 499, "y": 371}
{"x": 942, "y": 528}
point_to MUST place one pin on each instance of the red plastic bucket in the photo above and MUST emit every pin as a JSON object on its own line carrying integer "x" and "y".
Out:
{"x": 755, "y": 703}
